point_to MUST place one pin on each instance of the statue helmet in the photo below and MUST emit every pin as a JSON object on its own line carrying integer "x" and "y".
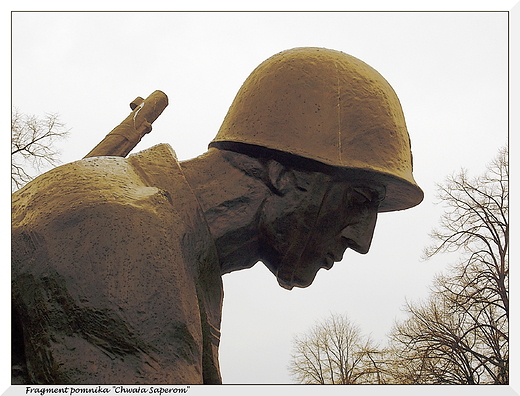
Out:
{"x": 330, "y": 107}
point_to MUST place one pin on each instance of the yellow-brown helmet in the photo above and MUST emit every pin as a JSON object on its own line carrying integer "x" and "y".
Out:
{"x": 330, "y": 107}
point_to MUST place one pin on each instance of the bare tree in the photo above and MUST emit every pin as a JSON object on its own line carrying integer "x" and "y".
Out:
{"x": 335, "y": 352}
{"x": 32, "y": 145}
{"x": 460, "y": 336}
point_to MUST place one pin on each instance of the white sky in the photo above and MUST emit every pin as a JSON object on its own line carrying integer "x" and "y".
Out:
{"x": 449, "y": 69}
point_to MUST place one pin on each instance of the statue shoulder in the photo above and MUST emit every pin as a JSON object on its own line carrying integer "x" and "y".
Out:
{"x": 86, "y": 183}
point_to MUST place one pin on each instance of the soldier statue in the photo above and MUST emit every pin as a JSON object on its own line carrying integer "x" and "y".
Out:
{"x": 117, "y": 260}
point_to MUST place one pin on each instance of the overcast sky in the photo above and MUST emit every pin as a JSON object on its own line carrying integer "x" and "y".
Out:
{"x": 449, "y": 69}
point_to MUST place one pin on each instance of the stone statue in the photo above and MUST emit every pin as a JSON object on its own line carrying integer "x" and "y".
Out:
{"x": 117, "y": 262}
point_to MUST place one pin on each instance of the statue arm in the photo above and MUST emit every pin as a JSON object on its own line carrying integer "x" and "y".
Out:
{"x": 104, "y": 296}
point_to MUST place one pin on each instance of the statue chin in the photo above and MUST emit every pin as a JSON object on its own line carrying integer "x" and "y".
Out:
{"x": 290, "y": 284}
{"x": 295, "y": 277}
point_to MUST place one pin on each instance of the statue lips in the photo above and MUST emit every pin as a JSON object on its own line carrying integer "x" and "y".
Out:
{"x": 330, "y": 259}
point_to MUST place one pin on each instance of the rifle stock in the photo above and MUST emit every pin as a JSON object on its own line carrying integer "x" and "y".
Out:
{"x": 124, "y": 137}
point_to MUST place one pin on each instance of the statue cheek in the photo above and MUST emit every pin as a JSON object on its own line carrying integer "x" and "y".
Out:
{"x": 359, "y": 234}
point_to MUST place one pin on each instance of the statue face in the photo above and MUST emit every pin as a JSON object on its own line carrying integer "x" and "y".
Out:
{"x": 330, "y": 217}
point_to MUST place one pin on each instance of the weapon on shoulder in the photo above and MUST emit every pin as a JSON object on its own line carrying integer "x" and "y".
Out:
{"x": 124, "y": 137}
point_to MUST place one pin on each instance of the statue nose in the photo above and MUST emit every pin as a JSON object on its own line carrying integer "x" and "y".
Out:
{"x": 359, "y": 233}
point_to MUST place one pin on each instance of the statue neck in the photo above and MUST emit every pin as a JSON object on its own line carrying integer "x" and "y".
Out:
{"x": 230, "y": 200}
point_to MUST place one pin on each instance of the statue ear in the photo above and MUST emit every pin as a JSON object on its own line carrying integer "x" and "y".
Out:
{"x": 279, "y": 177}
{"x": 273, "y": 174}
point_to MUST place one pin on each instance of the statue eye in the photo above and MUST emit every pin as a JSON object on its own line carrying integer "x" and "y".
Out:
{"x": 366, "y": 195}
{"x": 361, "y": 196}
